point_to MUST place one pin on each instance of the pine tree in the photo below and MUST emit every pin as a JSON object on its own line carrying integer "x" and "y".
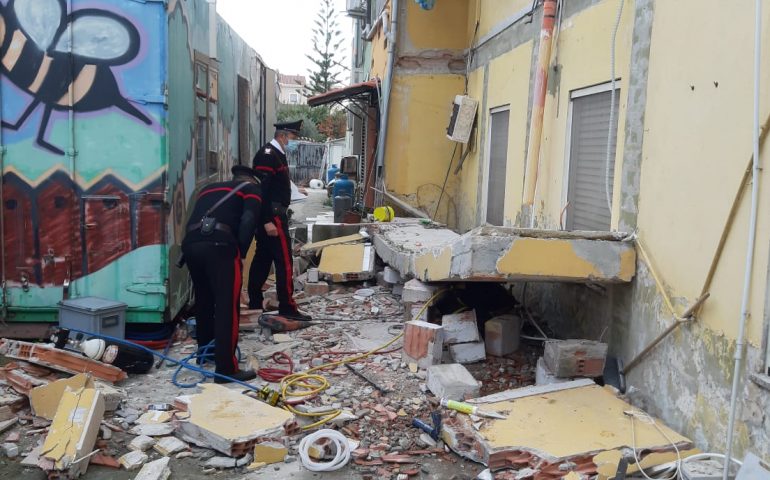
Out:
{"x": 327, "y": 40}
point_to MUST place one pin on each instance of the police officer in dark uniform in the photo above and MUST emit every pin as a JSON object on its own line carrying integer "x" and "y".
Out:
{"x": 219, "y": 232}
{"x": 273, "y": 242}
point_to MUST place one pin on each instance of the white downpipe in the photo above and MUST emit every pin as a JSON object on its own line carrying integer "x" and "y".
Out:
{"x": 389, "y": 82}
{"x": 740, "y": 344}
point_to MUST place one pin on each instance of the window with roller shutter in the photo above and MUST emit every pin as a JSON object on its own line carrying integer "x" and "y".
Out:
{"x": 498, "y": 158}
{"x": 588, "y": 182}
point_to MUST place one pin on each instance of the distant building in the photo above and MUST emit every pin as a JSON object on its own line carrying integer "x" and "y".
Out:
{"x": 292, "y": 89}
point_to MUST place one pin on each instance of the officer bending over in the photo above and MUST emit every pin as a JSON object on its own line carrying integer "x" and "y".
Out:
{"x": 219, "y": 232}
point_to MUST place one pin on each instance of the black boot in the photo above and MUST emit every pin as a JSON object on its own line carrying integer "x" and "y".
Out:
{"x": 243, "y": 376}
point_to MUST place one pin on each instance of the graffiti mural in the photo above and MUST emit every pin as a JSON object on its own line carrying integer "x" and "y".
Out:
{"x": 40, "y": 56}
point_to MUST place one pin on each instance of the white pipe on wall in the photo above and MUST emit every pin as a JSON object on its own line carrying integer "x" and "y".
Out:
{"x": 389, "y": 83}
{"x": 741, "y": 342}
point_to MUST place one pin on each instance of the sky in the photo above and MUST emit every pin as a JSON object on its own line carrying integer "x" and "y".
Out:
{"x": 281, "y": 31}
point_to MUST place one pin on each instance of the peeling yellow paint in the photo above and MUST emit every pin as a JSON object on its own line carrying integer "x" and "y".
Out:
{"x": 570, "y": 422}
{"x": 434, "y": 266}
{"x": 547, "y": 258}
{"x": 627, "y": 264}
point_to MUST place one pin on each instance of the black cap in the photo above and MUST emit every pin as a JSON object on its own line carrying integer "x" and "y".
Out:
{"x": 291, "y": 127}
{"x": 243, "y": 171}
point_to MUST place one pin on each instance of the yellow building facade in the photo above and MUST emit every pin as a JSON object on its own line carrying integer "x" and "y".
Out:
{"x": 684, "y": 79}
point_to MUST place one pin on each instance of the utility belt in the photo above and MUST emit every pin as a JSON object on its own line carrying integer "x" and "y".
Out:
{"x": 206, "y": 227}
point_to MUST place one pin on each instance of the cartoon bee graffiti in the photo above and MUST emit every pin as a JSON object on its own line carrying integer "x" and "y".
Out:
{"x": 63, "y": 61}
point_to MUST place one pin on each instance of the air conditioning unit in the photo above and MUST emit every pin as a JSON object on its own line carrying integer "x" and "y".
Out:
{"x": 463, "y": 116}
{"x": 357, "y": 8}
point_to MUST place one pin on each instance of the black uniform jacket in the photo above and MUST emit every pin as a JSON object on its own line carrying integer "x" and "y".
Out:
{"x": 240, "y": 212}
{"x": 273, "y": 169}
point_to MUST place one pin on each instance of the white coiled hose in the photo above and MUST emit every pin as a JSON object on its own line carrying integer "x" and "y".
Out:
{"x": 341, "y": 444}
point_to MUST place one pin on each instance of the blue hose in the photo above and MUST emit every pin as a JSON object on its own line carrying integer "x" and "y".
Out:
{"x": 204, "y": 354}
{"x": 184, "y": 363}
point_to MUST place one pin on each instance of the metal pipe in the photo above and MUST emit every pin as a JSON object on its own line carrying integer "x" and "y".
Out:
{"x": 72, "y": 152}
{"x": 538, "y": 108}
{"x": 389, "y": 86}
{"x": 740, "y": 344}
{"x": 4, "y": 286}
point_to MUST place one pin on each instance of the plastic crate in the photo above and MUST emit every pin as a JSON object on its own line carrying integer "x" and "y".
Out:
{"x": 95, "y": 315}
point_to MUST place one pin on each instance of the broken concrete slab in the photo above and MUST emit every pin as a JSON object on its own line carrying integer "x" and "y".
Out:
{"x": 72, "y": 435}
{"x": 316, "y": 289}
{"x": 44, "y": 399}
{"x": 157, "y": 470}
{"x": 154, "y": 417}
{"x": 423, "y": 343}
{"x": 347, "y": 263}
{"x": 317, "y": 247}
{"x": 60, "y": 360}
{"x": 169, "y": 445}
{"x": 230, "y": 422}
{"x": 113, "y": 396}
{"x": 465, "y": 353}
{"x": 501, "y": 335}
{"x": 460, "y": 327}
{"x": 575, "y": 358}
{"x": 133, "y": 460}
{"x": 546, "y": 430}
{"x": 452, "y": 381}
{"x": 505, "y": 254}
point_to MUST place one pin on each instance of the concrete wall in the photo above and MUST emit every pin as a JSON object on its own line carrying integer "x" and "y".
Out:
{"x": 684, "y": 139}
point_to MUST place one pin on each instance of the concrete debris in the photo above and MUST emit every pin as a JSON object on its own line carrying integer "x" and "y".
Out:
{"x": 460, "y": 327}
{"x": 222, "y": 463}
{"x": 468, "y": 352}
{"x": 157, "y": 470}
{"x": 11, "y": 450}
{"x": 7, "y": 424}
{"x": 44, "y": 399}
{"x": 60, "y": 360}
{"x": 452, "y": 381}
{"x": 153, "y": 429}
{"x": 501, "y": 335}
{"x": 575, "y": 358}
{"x": 347, "y": 263}
{"x": 230, "y": 422}
{"x": 154, "y": 417}
{"x": 73, "y": 432}
{"x": 391, "y": 276}
{"x": 33, "y": 457}
{"x": 543, "y": 376}
{"x": 168, "y": 446}
{"x": 423, "y": 343}
{"x": 133, "y": 460}
{"x": 270, "y": 452}
{"x": 141, "y": 443}
{"x": 316, "y": 289}
{"x": 416, "y": 291}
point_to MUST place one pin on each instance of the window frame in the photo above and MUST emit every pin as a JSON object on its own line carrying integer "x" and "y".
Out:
{"x": 210, "y": 167}
{"x": 488, "y": 161}
{"x": 575, "y": 94}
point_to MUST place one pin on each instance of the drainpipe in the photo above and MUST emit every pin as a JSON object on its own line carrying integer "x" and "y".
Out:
{"x": 72, "y": 153}
{"x": 741, "y": 342}
{"x": 4, "y": 286}
{"x": 393, "y": 34}
{"x": 538, "y": 106}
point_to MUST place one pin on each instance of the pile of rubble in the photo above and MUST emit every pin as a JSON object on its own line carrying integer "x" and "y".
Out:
{"x": 409, "y": 380}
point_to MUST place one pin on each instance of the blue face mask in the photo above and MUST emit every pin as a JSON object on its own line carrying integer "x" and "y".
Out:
{"x": 292, "y": 145}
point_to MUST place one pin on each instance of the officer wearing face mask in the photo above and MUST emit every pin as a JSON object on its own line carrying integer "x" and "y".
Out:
{"x": 273, "y": 241}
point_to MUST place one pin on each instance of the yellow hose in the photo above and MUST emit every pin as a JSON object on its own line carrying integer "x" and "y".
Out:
{"x": 308, "y": 384}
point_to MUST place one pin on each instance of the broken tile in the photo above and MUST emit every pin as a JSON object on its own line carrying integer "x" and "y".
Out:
{"x": 222, "y": 463}
{"x": 141, "y": 443}
{"x": 154, "y": 417}
{"x": 153, "y": 429}
{"x": 104, "y": 460}
{"x": 157, "y": 470}
{"x": 74, "y": 430}
{"x": 133, "y": 460}
{"x": 169, "y": 445}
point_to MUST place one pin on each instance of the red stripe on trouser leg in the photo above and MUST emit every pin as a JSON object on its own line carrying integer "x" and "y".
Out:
{"x": 287, "y": 263}
{"x": 236, "y": 306}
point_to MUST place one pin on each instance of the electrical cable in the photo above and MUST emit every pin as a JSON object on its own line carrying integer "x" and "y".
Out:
{"x": 612, "y": 110}
{"x": 642, "y": 416}
{"x": 275, "y": 375}
{"x": 446, "y": 178}
{"x": 341, "y": 445}
{"x": 309, "y": 383}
